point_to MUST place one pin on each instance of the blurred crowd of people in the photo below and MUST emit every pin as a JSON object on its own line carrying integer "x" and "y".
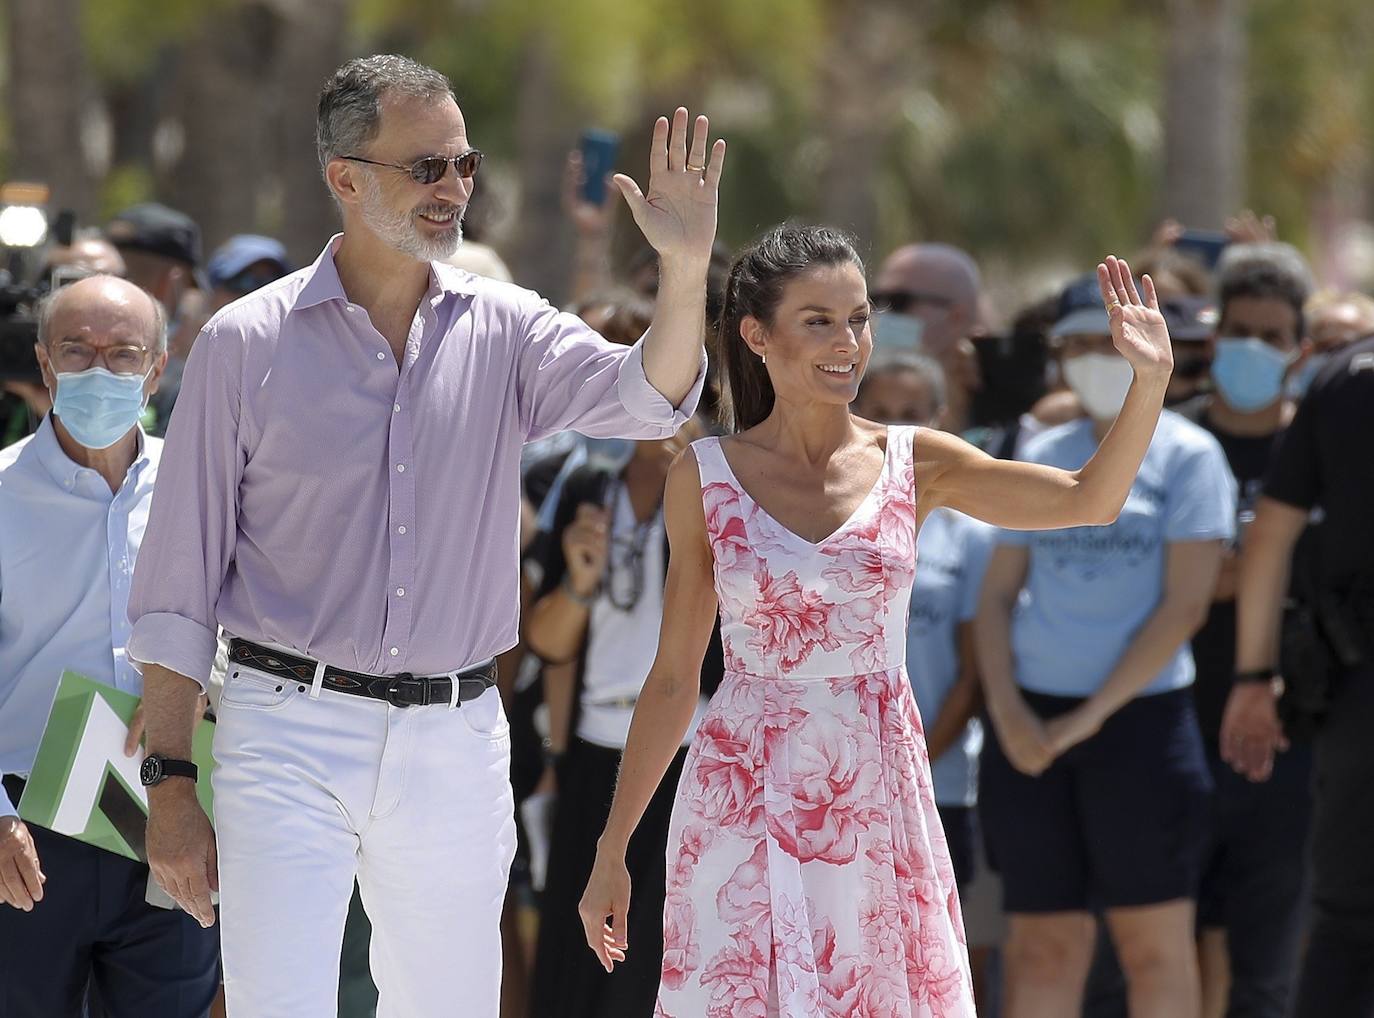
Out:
{"x": 1128, "y": 802}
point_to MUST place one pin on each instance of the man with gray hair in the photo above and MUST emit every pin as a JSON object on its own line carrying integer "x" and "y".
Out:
{"x": 341, "y": 494}
{"x": 74, "y": 500}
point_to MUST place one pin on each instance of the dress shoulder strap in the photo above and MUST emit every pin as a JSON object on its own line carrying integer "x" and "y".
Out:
{"x": 711, "y": 463}
{"x": 902, "y": 458}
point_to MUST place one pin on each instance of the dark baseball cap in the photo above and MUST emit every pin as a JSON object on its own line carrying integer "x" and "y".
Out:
{"x": 158, "y": 230}
{"x": 1081, "y": 311}
{"x": 1190, "y": 319}
{"x": 239, "y": 252}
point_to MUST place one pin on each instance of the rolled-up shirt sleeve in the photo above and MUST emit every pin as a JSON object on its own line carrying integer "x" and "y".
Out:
{"x": 569, "y": 377}
{"x": 189, "y": 542}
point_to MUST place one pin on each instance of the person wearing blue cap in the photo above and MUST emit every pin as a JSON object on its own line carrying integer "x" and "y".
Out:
{"x": 1093, "y": 784}
{"x": 243, "y": 264}
{"x": 240, "y": 265}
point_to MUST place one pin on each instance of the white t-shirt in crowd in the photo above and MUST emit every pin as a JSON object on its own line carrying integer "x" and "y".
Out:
{"x": 623, "y": 629}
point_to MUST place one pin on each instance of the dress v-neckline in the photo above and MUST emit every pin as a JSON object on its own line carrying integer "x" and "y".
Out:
{"x": 863, "y": 503}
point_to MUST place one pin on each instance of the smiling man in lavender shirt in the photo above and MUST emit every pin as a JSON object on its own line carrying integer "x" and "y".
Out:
{"x": 340, "y": 492}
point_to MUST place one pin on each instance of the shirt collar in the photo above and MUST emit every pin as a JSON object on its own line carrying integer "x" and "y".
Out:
{"x": 323, "y": 283}
{"x": 63, "y": 469}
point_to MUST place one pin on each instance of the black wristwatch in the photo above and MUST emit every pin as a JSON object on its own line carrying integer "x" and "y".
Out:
{"x": 1262, "y": 677}
{"x": 156, "y": 769}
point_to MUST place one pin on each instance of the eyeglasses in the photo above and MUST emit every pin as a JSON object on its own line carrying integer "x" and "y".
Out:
{"x": 431, "y": 169}
{"x": 902, "y": 301}
{"x": 70, "y": 356}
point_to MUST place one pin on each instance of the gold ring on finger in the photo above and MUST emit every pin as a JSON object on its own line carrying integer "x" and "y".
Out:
{"x": 696, "y": 169}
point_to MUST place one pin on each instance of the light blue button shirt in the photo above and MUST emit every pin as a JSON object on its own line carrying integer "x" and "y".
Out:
{"x": 67, "y": 548}
{"x": 1090, "y": 589}
{"x": 953, "y": 553}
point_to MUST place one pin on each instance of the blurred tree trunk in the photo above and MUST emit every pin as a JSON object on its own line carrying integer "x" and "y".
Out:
{"x": 545, "y": 130}
{"x": 221, "y": 174}
{"x": 49, "y": 89}
{"x": 859, "y": 101}
{"x": 1204, "y": 111}
{"x": 313, "y": 45}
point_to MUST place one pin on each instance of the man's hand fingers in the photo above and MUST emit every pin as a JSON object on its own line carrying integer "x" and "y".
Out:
{"x": 12, "y": 886}
{"x": 212, "y": 866}
{"x": 677, "y": 141}
{"x": 135, "y": 735}
{"x": 658, "y": 153}
{"x": 634, "y": 197}
{"x": 717, "y": 164}
{"x": 31, "y": 875}
{"x": 198, "y": 898}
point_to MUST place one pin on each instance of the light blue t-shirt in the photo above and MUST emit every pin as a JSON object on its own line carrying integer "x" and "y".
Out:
{"x": 1090, "y": 589}
{"x": 953, "y": 556}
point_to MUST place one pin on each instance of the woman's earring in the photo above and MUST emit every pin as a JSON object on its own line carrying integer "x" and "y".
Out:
{"x": 763, "y": 357}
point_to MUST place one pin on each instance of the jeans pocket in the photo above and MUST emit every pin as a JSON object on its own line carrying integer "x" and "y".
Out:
{"x": 249, "y": 689}
{"x": 485, "y": 717}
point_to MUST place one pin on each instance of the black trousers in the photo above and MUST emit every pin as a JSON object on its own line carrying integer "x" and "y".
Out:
{"x": 1254, "y": 882}
{"x": 568, "y": 980}
{"x": 93, "y": 933}
{"x": 1338, "y": 971}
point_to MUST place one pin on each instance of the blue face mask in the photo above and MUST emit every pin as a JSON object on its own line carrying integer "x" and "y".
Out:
{"x": 1249, "y": 373}
{"x": 98, "y": 407}
{"x": 893, "y": 331}
{"x": 1302, "y": 381}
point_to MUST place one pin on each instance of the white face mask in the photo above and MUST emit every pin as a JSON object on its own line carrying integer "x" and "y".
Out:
{"x": 1100, "y": 381}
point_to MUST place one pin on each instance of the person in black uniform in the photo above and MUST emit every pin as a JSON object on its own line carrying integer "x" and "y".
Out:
{"x": 1325, "y": 462}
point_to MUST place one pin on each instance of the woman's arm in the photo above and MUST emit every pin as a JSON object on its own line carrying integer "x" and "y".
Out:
{"x": 664, "y": 709}
{"x": 1027, "y": 496}
{"x": 1190, "y": 577}
{"x": 963, "y": 701}
{"x": 1020, "y": 732}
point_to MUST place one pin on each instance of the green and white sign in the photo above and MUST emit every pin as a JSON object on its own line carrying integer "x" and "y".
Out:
{"x": 82, "y": 784}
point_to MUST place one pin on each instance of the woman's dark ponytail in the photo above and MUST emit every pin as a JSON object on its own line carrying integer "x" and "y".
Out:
{"x": 754, "y": 288}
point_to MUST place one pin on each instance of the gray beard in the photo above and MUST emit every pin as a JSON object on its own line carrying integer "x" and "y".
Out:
{"x": 399, "y": 230}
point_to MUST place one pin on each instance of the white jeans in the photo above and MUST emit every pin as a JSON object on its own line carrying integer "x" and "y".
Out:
{"x": 414, "y": 801}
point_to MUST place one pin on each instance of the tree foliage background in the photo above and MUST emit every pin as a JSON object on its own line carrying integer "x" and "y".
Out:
{"x": 1037, "y": 133}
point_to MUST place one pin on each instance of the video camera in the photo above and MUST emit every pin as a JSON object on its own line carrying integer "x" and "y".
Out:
{"x": 24, "y": 226}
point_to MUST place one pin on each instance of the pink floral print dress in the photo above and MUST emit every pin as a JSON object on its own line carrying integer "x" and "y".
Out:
{"x": 807, "y": 869}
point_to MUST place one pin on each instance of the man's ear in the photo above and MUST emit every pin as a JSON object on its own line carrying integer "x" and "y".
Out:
{"x": 339, "y": 174}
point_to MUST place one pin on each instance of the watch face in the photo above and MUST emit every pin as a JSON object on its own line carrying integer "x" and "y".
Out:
{"x": 151, "y": 770}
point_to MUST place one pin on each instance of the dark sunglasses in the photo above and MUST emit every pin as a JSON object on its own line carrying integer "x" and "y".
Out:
{"x": 431, "y": 169}
{"x": 902, "y": 301}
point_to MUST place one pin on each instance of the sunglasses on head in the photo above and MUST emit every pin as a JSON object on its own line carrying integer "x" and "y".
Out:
{"x": 431, "y": 169}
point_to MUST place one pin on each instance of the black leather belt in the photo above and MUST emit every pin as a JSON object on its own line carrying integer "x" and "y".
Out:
{"x": 401, "y": 690}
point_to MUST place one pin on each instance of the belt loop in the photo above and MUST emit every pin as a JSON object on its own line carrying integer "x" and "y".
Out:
{"x": 454, "y": 690}
{"x": 319, "y": 680}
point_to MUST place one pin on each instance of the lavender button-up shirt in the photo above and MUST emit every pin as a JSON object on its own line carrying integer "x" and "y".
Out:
{"x": 315, "y": 495}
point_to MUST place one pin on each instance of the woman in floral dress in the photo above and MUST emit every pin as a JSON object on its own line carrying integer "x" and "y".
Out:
{"x": 807, "y": 871}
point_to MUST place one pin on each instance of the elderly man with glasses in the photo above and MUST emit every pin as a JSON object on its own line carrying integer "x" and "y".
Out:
{"x": 75, "y": 923}
{"x": 341, "y": 493}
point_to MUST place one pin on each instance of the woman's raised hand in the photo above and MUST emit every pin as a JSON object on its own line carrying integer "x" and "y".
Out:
{"x": 1138, "y": 328}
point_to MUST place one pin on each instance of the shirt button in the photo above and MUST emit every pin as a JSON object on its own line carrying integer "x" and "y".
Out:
{"x": 396, "y": 408}
{"x": 394, "y": 651}
{"x": 400, "y": 592}
{"x": 350, "y": 308}
{"x": 400, "y": 530}
{"x": 381, "y": 356}
{"x": 400, "y": 468}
